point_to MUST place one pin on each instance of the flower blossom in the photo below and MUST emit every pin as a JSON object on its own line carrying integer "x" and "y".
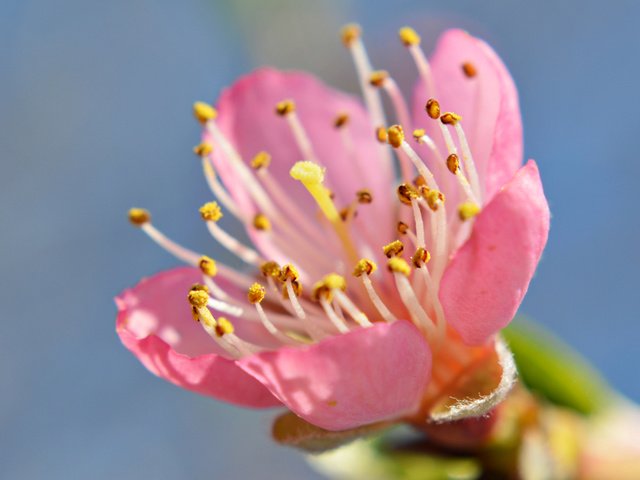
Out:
{"x": 383, "y": 259}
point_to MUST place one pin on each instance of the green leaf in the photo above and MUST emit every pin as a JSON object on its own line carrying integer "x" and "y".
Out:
{"x": 291, "y": 430}
{"x": 553, "y": 370}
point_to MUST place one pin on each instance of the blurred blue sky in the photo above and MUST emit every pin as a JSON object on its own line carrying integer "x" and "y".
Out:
{"x": 95, "y": 102}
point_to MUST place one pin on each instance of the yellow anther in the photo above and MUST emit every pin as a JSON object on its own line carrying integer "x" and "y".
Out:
{"x": 418, "y": 133}
{"x": 402, "y": 228}
{"x": 289, "y": 272}
{"x": 393, "y": 249}
{"x": 453, "y": 163}
{"x": 469, "y": 69}
{"x": 320, "y": 289}
{"x": 271, "y": 269}
{"x": 285, "y": 107}
{"x": 381, "y": 135}
{"x": 347, "y": 212}
{"x": 208, "y": 266}
{"x": 333, "y": 281}
{"x": 307, "y": 172}
{"x": 450, "y": 118}
{"x": 199, "y": 287}
{"x": 406, "y": 193}
{"x": 378, "y": 77}
{"x": 342, "y": 119}
{"x": 409, "y": 36}
{"x": 211, "y": 212}
{"x": 223, "y": 327}
{"x": 434, "y": 199}
{"x": 256, "y": 293}
{"x": 139, "y": 216}
{"x": 433, "y": 108}
{"x": 364, "y": 196}
{"x": 261, "y": 160}
{"x": 421, "y": 257}
{"x": 194, "y": 314}
{"x": 297, "y": 290}
{"x": 419, "y": 181}
{"x": 350, "y": 33}
{"x": 468, "y": 210}
{"x": 198, "y": 298}
{"x": 203, "y": 149}
{"x": 261, "y": 222}
{"x": 204, "y": 112}
{"x": 364, "y": 267}
{"x": 396, "y": 135}
{"x": 399, "y": 265}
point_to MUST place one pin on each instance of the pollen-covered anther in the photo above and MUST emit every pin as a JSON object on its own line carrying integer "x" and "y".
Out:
{"x": 433, "y": 108}
{"x": 364, "y": 267}
{"x": 197, "y": 287}
{"x": 419, "y": 181}
{"x": 211, "y": 212}
{"x": 420, "y": 257}
{"x": 364, "y": 196}
{"x": 271, "y": 269}
{"x": 203, "y": 149}
{"x": 307, "y": 172}
{"x": 204, "y": 112}
{"x": 198, "y": 298}
{"x": 256, "y": 293}
{"x": 468, "y": 210}
{"x": 139, "y": 216}
{"x": 469, "y": 69}
{"x": 393, "y": 249}
{"x": 434, "y": 199}
{"x": 350, "y": 33}
{"x": 450, "y": 118}
{"x": 261, "y": 222}
{"x": 396, "y": 136}
{"x": 333, "y": 281}
{"x": 399, "y": 265}
{"x": 408, "y": 36}
{"x": 381, "y": 135}
{"x": 223, "y": 327}
{"x": 402, "y": 228}
{"x": 208, "y": 266}
{"x": 296, "y": 287}
{"x": 378, "y": 77}
{"x": 289, "y": 272}
{"x": 285, "y": 107}
{"x": 341, "y": 120}
{"x": 406, "y": 193}
{"x": 261, "y": 160}
{"x": 320, "y": 290}
{"x": 453, "y": 163}
{"x": 418, "y": 133}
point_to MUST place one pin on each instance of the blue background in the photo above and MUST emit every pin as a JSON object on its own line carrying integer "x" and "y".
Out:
{"x": 95, "y": 102}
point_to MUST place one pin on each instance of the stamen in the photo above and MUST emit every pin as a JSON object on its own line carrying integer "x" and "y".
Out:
{"x": 208, "y": 266}
{"x": 255, "y": 296}
{"x": 406, "y": 193}
{"x": 402, "y": 228}
{"x": 393, "y": 249}
{"x": 211, "y": 213}
{"x": 469, "y": 69}
{"x": 417, "y": 216}
{"x": 324, "y": 296}
{"x": 287, "y": 109}
{"x": 139, "y": 216}
{"x": 362, "y": 270}
{"x": 204, "y": 112}
{"x": 420, "y": 260}
{"x": 312, "y": 175}
{"x": 261, "y": 160}
{"x": 337, "y": 285}
{"x": 224, "y": 330}
{"x": 216, "y": 187}
{"x": 401, "y": 271}
{"x": 342, "y": 120}
{"x": 411, "y": 40}
{"x": 364, "y": 196}
{"x": 261, "y": 222}
{"x": 467, "y": 157}
{"x": 468, "y": 210}
{"x": 381, "y": 135}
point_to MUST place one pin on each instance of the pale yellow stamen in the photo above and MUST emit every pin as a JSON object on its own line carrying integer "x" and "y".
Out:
{"x": 203, "y": 149}
{"x": 261, "y": 222}
{"x": 204, "y": 112}
{"x": 450, "y": 118}
{"x": 256, "y": 293}
{"x": 139, "y": 216}
{"x": 211, "y": 212}
{"x": 408, "y": 36}
{"x": 468, "y": 210}
{"x": 285, "y": 107}
{"x": 223, "y": 327}
{"x": 260, "y": 161}
{"x": 381, "y": 135}
{"x": 350, "y": 33}
{"x": 421, "y": 257}
{"x": 393, "y": 249}
{"x": 395, "y": 135}
{"x": 399, "y": 265}
{"x": 208, "y": 266}
{"x": 364, "y": 267}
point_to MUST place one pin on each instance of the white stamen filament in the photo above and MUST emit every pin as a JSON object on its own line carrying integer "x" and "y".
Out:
{"x": 353, "y": 311}
{"x": 371, "y": 95}
{"x": 219, "y": 191}
{"x": 420, "y": 165}
{"x": 467, "y": 158}
{"x": 301, "y": 137}
{"x": 452, "y": 149}
{"x": 376, "y": 300}
{"x": 271, "y": 328}
{"x": 424, "y": 69}
{"x": 333, "y": 317}
{"x": 432, "y": 292}
{"x": 178, "y": 251}
{"x": 397, "y": 100}
{"x": 417, "y": 216}
{"x": 418, "y": 315}
{"x": 216, "y": 291}
{"x": 246, "y": 254}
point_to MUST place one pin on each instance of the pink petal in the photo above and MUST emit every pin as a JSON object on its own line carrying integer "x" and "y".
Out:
{"x": 247, "y": 117}
{"x": 365, "y": 376}
{"x": 489, "y": 275}
{"x": 487, "y": 102}
{"x": 154, "y": 322}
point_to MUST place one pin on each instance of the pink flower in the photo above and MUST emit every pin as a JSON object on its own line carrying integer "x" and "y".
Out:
{"x": 310, "y": 173}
